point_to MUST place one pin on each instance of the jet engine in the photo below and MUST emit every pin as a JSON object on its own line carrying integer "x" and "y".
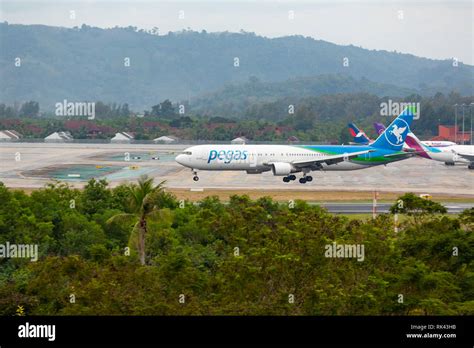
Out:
{"x": 282, "y": 168}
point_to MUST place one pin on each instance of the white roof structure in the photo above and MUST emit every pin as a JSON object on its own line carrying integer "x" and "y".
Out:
{"x": 122, "y": 137}
{"x": 7, "y": 135}
{"x": 59, "y": 137}
{"x": 166, "y": 139}
{"x": 239, "y": 140}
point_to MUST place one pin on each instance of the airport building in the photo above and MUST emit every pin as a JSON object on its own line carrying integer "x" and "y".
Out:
{"x": 239, "y": 140}
{"x": 59, "y": 137}
{"x": 122, "y": 137}
{"x": 9, "y": 135}
{"x": 452, "y": 133}
{"x": 166, "y": 139}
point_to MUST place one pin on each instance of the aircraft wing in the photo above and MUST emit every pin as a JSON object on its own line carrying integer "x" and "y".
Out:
{"x": 469, "y": 157}
{"x": 402, "y": 154}
{"x": 316, "y": 163}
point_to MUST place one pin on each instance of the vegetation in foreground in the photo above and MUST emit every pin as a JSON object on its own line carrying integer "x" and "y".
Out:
{"x": 136, "y": 250}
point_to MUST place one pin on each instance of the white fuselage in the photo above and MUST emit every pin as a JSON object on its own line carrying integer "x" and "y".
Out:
{"x": 440, "y": 143}
{"x": 450, "y": 154}
{"x": 252, "y": 158}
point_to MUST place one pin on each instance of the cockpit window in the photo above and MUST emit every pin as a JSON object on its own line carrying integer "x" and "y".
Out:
{"x": 187, "y": 153}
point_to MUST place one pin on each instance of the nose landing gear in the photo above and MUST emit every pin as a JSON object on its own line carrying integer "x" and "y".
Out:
{"x": 195, "y": 177}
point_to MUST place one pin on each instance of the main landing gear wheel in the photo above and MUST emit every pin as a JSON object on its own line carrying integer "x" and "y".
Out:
{"x": 471, "y": 166}
{"x": 305, "y": 179}
{"x": 289, "y": 178}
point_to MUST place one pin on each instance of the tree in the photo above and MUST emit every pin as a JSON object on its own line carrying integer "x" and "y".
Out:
{"x": 143, "y": 206}
{"x": 416, "y": 207}
{"x": 165, "y": 109}
{"x": 30, "y": 109}
{"x": 96, "y": 197}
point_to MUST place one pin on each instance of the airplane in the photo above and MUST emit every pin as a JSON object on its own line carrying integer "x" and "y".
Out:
{"x": 285, "y": 160}
{"x": 449, "y": 154}
{"x": 438, "y": 143}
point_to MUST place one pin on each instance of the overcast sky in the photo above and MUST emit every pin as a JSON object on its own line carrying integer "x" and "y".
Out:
{"x": 433, "y": 29}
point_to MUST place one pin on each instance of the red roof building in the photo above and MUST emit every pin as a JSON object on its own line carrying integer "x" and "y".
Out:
{"x": 450, "y": 133}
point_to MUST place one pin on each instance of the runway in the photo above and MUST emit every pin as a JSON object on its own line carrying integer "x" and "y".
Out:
{"x": 32, "y": 165}
{"x": 365, "y": 208}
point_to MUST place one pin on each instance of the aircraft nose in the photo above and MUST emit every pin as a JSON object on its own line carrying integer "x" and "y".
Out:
{"x": 181, "y": 159}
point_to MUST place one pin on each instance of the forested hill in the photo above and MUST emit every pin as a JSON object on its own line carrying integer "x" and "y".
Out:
{"x": 236, "y": 100}
{"x": 90, "y": 63}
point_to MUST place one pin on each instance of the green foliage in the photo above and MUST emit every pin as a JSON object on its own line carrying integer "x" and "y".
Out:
{"x": 412, "y": 204}
{"x": 144, "y": 201}
{"x": 243, "y": 257}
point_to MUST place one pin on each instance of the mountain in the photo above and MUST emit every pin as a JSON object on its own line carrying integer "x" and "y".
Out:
{"x": 89, "y": 63}
{"x": 236, "y": 99}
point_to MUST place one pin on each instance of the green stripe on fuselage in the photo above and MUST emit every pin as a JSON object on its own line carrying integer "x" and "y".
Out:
{"x": 371, "y": 158}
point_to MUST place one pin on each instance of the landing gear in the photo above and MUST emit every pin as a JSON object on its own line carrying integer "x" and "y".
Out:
{"x": 471, "y": 165}
{"x": 449, "y": 163}
{"x": 305, "y": 178}
{"x": 289, "y": 178}
{"x": 195, "y": 177}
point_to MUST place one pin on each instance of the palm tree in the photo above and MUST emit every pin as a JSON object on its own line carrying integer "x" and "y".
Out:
{"x": 143, "y": 198}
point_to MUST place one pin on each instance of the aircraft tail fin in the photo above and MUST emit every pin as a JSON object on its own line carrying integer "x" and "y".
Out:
{"x": 393, "y": 137}
{"x": 359, "y": 137}
{"x": 421, "y": 150}
{"x": 379, "y": 127}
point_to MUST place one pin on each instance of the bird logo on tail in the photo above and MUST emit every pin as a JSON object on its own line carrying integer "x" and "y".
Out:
{"x": 398, "y": 133}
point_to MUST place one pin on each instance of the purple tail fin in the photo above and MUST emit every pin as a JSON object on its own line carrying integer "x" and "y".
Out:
{"x": 379, "y": 127}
